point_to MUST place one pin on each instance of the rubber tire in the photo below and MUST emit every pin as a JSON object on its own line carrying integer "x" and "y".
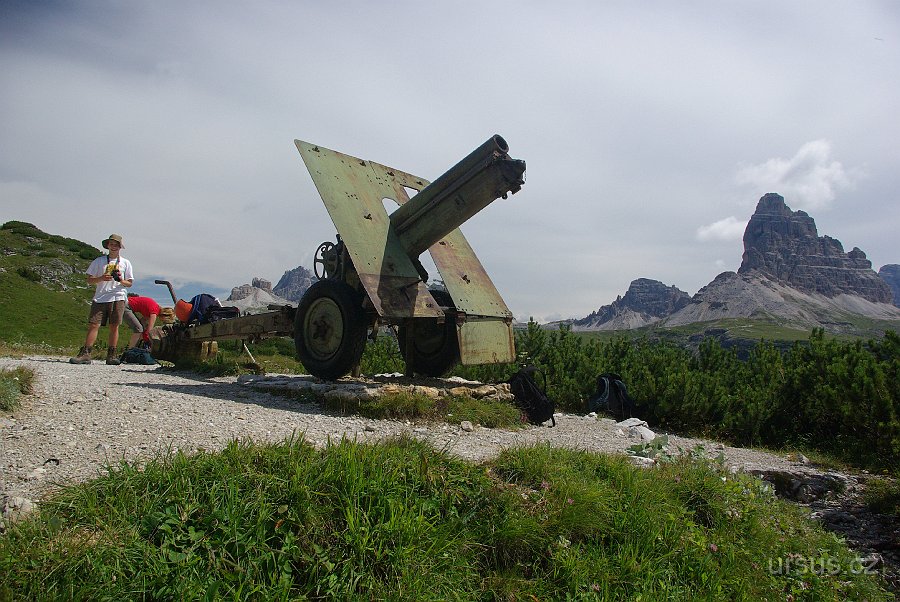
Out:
{"x": 335, "y": 309}
{"x": 435, "y": 346}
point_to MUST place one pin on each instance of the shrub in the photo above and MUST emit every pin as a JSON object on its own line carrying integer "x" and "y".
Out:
{"x": 13, "y": 384}
{"x": 29, "y": 273}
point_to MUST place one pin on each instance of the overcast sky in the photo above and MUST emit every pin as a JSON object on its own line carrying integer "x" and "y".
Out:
{"x": 650, "y": 129}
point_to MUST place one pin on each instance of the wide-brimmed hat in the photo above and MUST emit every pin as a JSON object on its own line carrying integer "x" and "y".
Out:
{"x": 115, "y": 237}
{"x": 166, "y": 315}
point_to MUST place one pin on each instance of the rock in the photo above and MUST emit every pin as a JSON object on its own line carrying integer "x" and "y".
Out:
{"x": 645, "y": 302}
{"x": 802, "y": 486}
{"x": 645, "y": 433}
{"x": 784, "y": 246}
{"x": 341, "y": 395}
{"x": 15, "y": 508}
{"x": 430, "y": 392}
{"x": 262, "y": 284}
{"x": 483, "y": 391}
{"x": 891, "y": 275}
{"x": 466, "y": 426}
{"x": 293, "y": 284}
{"x": 631, "y": 422}
{"x": 36, "y": 474}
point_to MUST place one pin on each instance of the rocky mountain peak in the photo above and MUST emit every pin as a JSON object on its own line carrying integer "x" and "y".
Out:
{"x": 262, "y": 284}
{"x": 890, "y": 273}
{"x": 784, "y": 246}
{"x": 646, "y": 301}
{"x": 294, "y": 283}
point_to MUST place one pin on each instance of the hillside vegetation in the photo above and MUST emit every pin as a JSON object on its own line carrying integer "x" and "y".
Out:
{"x": 43, "y": 291}
{"x": 838, "y": 397}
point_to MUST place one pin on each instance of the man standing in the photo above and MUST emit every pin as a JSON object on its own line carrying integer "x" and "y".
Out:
{"x": 112, "y": 275}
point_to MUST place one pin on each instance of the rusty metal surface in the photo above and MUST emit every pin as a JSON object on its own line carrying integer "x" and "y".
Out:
{"x": 486, "y": 341}
{"x": 353, "y": 191}
{"x": 174, "y": 341}
{"x": 472, "y": 290}
{"x": 274, "y": 323}
{"x": 398, "y": 297}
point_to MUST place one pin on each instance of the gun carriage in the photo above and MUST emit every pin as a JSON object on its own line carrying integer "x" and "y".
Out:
{"x": 372, "y": 275}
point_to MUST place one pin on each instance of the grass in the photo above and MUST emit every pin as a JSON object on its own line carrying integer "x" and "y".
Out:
{"x": 43, "y": 291}
{"x": 399, "y": 520}
{"x": 416, "y": 406}
{"x": 883, "y": 495}
{"x": 15, "y": 382}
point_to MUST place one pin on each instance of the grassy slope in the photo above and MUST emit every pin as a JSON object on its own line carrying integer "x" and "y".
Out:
{"x": 401, "y": 521}
{"x": 49, "y": 312}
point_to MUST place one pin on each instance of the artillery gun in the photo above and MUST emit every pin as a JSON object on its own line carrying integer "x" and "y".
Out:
{"x": 372, "y": 275}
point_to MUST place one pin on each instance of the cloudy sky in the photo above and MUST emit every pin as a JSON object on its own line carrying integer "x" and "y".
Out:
{"x": 650, "y": 129}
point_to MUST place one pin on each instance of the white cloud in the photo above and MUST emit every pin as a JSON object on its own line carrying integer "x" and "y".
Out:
{"x": 811, "y": 178}
{"x": 727, "y": 229}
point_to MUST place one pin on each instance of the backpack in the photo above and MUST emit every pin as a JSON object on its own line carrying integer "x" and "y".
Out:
{"x": 200, "y": 304}
{"x": 531, "y": 398}
{"x": 136, "y": 355}
{"x": 215, "y": 313}
{"x": 612, "y": 397}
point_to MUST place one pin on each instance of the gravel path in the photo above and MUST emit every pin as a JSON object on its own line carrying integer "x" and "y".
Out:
{"x": 83, "y": 416}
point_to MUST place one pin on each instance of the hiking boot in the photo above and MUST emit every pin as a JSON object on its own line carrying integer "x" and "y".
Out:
{"x": 111, "y": 358}
{"x": 83, "y": 357}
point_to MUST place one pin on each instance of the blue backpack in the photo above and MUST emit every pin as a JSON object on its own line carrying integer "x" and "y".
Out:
{"x": 137, "y": 355}
{"x": 611, "y": 397}
{"x": 201, "y": 304}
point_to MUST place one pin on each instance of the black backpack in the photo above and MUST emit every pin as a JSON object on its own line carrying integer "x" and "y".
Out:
{"x": 612, "y": 397}
{"x": 214, "y": 313}
{"x": 531, "y": 398}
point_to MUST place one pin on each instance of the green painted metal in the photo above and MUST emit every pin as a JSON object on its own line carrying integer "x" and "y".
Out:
{"x": 353, "y": 191}
{"x": 383, "y": 248}
{"x": 486, "y": 341}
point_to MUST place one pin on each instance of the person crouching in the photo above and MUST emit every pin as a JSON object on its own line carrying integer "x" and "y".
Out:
{"x": 140, "y": 315}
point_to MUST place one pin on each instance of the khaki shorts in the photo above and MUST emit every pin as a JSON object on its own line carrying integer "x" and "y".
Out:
{"x": 132, "y": 320}
{"x": 103, "y": 313}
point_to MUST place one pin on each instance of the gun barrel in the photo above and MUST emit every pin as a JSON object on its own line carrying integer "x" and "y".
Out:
{"x": 486, "y": 174}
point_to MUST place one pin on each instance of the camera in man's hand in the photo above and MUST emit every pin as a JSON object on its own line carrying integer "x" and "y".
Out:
{"x": 116, "y": 275}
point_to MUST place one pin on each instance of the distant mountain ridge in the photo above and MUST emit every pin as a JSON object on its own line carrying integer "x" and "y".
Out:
{"x": 259, "y": 294}
{"x": 789, "y": 275}
{"x": 293, "y": 284}
{"x": 645, "y": 302}
{"x": 890, "y": 273}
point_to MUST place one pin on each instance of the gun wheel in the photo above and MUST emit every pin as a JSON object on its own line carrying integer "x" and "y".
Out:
{"x": 319, "y": 261}
{"x": 330, "y": 329}
{"x": 435, "y": 346}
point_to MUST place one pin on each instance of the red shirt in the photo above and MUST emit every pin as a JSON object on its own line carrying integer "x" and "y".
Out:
{"x": 143, "y": 305}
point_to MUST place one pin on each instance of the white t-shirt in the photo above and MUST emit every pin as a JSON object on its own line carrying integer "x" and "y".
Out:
{"x": 110, "y": 290}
